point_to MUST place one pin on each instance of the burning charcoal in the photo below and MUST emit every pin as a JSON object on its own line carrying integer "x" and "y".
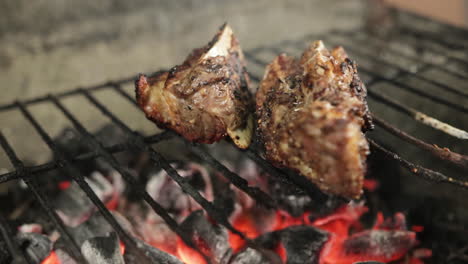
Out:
{"x": 368, "y": 262}
{"x": 154, "y": 230}
{"x": 169, "y": 194}
{"x": 154, "y": 254}
{"x": 37, "y": 246}
{"x": 210, "y": 238}
{"x": 302, "y": 244}
{"x": 254, "y": 256}
{"x": 102, "y": 250}
{"x": 97, "y": 226}
{"x": 380, "y": 245}
{"x": 74, "y": 206}
{"x": 289, "y": 196}
{"x": 110, "y": 135}
{"x": 252, "y": 222}
{"x": 70, "y": 141}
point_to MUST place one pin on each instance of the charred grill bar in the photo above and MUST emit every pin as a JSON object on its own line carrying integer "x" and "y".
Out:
{"x": 64, "y": 161}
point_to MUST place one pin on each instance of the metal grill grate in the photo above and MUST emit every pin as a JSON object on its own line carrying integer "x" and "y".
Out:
{"x": 416, "y": 39}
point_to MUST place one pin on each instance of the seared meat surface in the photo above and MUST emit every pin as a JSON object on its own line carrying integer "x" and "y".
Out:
{"x": 311, "y": 117}
{"x": 205, "y": 98}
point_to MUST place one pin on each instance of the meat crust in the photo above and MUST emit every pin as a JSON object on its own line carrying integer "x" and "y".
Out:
{"x": 205, "y": 98}
{"x": 311, "y": 117}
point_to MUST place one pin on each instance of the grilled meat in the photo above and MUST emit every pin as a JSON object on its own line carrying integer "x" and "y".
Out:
{"x": 206, "y": 97}
{"x": 311, "y": 117}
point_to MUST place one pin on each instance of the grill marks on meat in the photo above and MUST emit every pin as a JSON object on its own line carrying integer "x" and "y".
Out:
{"x": 311, "y": 117}
{"x": 205, "y": 98}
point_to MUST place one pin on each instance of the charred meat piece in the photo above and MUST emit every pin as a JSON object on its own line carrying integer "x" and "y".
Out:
{"x": 311, "y": 117}
{"x": 205, "y": 98}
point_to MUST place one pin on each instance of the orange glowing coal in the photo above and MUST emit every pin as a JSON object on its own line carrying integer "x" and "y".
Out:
{"x": 246, "y": 224}
{"x": 188, "y": 255}
{"x": 345, "y": 231}
{"x": 348, "y": 241}
{"x": 122, "y": 248}
{"x": 388, "y": 240}
{"x": 51, "y": 259}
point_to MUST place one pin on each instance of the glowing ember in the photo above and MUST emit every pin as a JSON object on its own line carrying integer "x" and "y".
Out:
{"x": 188, "y": 255}
{"x": 113, "y": 202}
{"x": 51, "y": 259}
{"x": 388, "y": 240}
{"x": 282, "y": 252}
{"x": 64, "y": 185}
{"x": 245, "y": 223}
{"x": 417, "y": 228}
{"x": 371, "y": 184}
{"x": 122, "y": 247}
{"x": 347, "y": 240}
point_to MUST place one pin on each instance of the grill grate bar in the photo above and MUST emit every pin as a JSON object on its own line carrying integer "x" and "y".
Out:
{"x": 93, "y": 143}
{"x": 415, "y": 91}
{"x": 418, "y": 116}
{"x": 41, "y": 198}
{"x": 48, "y": 166}
{"x": 18, "y": 256}
{"x": 432, "y": 37}
{"x": 441, "y": 153}
{"x": 71, "y": 170}
{"x": 422, "y": 44}
{"x": 65, "y": 94}
{"x": 136, "y": 140}
{"x": 424, "y": 67}
{"x": 234, "y": 178}
{"x": 395, "y": 51}
{"x": 254, "y": 192}
{"x": 425, "y": 173}
{"x": 106, "y": 85}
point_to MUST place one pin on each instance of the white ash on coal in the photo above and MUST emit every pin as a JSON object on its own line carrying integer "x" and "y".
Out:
{"x": 168, "y": 193}
{"x": 30, "y": 228}
{"x": 97, "y": 226}
{"x": 74, "y": 206}
{"x": 102, "y": 250}
{"x": 36, "y": 246}
{"x": 64, "y": 258}
{"x": 380, "y": 243}
{"x": 154, "y": 254}
{"x": 211, "y": 239}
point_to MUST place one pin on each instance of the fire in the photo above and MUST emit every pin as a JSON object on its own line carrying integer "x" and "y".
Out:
{"x": 388, "y": 240}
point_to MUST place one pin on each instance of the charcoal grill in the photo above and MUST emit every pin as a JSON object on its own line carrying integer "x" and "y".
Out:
{"x": 408, "y": 43}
